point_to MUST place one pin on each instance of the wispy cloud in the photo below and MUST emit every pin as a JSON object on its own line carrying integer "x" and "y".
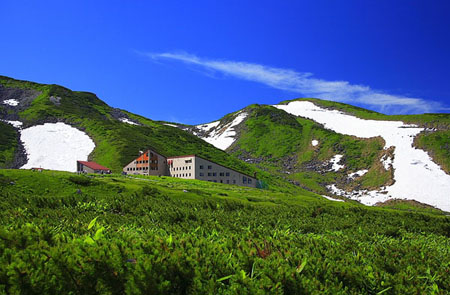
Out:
{"x": 305, "y": 84}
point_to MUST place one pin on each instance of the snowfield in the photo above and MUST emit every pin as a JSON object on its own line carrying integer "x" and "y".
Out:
{"x": 222, "y": 137}
{"x": 416, "y": 176}
{"x": 11, "y": 102}
{"x": 55, "y": 146}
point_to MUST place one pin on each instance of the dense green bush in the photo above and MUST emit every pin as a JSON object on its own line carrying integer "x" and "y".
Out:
{"x": 169, "y": 236}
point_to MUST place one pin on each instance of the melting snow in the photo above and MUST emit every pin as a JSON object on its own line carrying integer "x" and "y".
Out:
{"x": 16, "y": 124}
{"x": 358, "y": 173}
{"x": 125, "y": 120}
{"x": 314, "y": 142}
{"x": 209, "y": 126}
{"x": 416, "y": 176}
{"x": 55, "y": 146}
{"x": 11, "y": 102}
{"x": 335, "y": 160}
{"x": 332, "y": 199}
{"x": 224, "y": 137}
{"x": 171, "y": 125}
{"x": 386, "y": 161}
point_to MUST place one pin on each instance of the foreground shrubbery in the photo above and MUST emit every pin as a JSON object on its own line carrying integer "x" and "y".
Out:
{"x": 120, "y": 236}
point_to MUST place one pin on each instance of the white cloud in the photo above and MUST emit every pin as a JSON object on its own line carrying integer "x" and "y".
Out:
{"x": 305, "y": 84}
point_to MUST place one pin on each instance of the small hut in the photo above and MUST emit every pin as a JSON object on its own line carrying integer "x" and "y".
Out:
{"x": 91, "y": 167}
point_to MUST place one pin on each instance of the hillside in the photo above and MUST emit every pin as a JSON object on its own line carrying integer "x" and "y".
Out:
{"x": 342, "y": 150}
{"x": 118, "y": 135}
{"x": 115, "y": 235}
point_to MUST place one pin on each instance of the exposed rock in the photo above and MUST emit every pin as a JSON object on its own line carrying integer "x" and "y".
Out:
{"x": 120, "y": 115}
{"x": 55, "y": 99}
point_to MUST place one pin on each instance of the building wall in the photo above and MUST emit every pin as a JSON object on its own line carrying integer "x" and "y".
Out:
{"x": 186, "y": 167}
{"x": 193, "y": 167}
{"x": 149, "y": 163}
{"x": 182, "y": 167}
{"x": 83, "y": 168}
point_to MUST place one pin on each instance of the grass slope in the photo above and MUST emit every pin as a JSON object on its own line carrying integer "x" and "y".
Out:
{"x": 64, "y": 233}
{"x": 118, "y": 143}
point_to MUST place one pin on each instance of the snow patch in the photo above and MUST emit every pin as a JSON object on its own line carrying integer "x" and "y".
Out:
{"x": 332, "y": 199}
{"x": 386, "y": 161}
{"x": 365, "y": 197}
{"x": 55, "y": 146}
{"x": 125, "y": 120}
{"x": 16, "y": 124}
{"x": 335, "y": 160}
{"x": 416, "y": 176}
{"x": 222, "y": 137}
{"x": 358, "y": 173}
{"x": 314, "y": 142}
{"x": 171, "y": 125}
{"x": 11, "y": 102}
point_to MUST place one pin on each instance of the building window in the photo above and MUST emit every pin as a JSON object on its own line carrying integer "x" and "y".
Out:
{"x": 201, "y": 174}
{"x": 244, "y": 179}
{"x": 189, "y": 174}
{"x": 201, "y": 167}
{"x": 228, "y": 181}
{"x": 249, "y": 180}
{"x": 214, "y": 174}
{"x": 227, "y": 174}
{"x": 209, "y": 167}
{"x": 209, "y": 174}
{"x": 215, "y": 180}
{"x": 221, "y": 181}
{"x": 234, "y": 181}
{"x": 188, "y": 161}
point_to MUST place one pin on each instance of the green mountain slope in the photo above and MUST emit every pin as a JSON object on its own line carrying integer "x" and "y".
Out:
{"x": 117, "y": 143}
{"x": 282, "y": 144}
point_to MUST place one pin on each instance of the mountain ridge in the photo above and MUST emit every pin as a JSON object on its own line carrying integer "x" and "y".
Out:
{"x": 282, "y": 147}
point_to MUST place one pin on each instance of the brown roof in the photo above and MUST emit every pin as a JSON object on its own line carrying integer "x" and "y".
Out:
{"x": 93, "y": 165}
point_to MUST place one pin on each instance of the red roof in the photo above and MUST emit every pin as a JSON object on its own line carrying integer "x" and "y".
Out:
{"x": 93, "y": 165}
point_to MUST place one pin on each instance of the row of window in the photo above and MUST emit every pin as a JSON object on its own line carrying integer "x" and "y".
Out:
{"x": 181, "y": 168}
{"x": 202, "y": 167}
{"x": 141, "y": 168}
{"x": 246, "y": 180}
{"x": 221, "y": 181}
{"x": 146, "y": 161}
{"x": 215, "y": 174}
{"x": 182, "y": 175}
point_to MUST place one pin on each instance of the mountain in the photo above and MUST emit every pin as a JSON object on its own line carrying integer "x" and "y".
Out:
{"x": 306, "y": 146}
{"x": 341, "y": 150}
{"x": 82, "y": 123}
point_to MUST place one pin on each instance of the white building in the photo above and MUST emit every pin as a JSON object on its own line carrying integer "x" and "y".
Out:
{"x": 187, "y": 167}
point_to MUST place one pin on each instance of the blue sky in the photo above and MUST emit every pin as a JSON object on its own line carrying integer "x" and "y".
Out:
{"x": 195, "y": 61}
